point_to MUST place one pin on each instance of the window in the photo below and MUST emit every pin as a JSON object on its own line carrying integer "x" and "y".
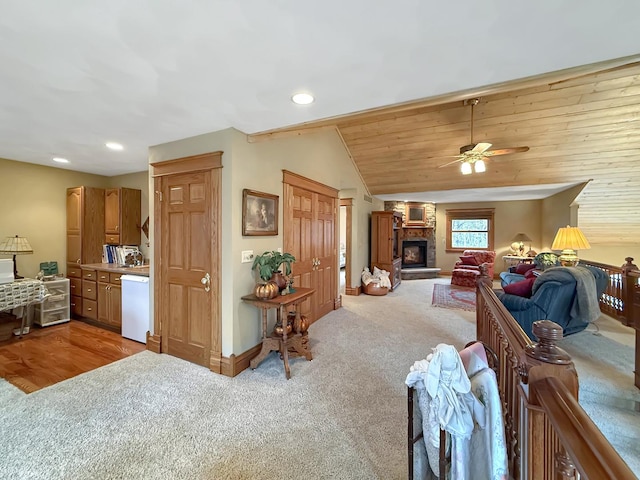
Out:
{"x": 470, "y": 229}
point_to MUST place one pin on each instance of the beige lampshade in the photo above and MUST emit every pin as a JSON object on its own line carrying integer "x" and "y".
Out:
{"x": 570, "y": 238}
{"x": 15, "y": 246}
{"x": 521, "y": 237}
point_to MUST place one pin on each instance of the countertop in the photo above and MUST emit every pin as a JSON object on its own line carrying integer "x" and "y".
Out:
{"x": 142, "y": 270}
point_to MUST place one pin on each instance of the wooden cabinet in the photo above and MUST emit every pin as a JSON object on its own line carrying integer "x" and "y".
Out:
{"x": 85, "y": 236}
{"x": 122, "y": 216}
{"x": 109, "y": 299}
{"x": 386, "y": 228}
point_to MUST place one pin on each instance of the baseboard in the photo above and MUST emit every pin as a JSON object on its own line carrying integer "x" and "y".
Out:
{"x": 337, "y": 302}
{"x": 153, "y": 343}
{"x": 353, "y": 290}
{"x": 233, "y": 365}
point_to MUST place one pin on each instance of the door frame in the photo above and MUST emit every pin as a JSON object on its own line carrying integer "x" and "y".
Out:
{"x": 348, "y": 204}
{"x": 191, "y": 164}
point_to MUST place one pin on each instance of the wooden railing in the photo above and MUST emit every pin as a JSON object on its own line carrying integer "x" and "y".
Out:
{"x": 621, "y": 300}
{"x": 548, "y": 434}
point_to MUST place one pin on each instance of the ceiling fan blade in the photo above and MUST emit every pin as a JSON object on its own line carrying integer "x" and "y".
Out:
{"x": 481, "y": 147}
{"x": 451, "y": 163}
{"x": 506, "y": 151}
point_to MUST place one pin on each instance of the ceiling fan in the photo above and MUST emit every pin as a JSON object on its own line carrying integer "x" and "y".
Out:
{"x": 473, "y": 155}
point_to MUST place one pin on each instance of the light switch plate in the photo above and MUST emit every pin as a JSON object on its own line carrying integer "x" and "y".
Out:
{"x": 247, "y": 256}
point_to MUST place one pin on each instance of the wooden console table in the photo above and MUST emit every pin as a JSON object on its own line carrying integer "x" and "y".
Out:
{"x": 270, "y": 342}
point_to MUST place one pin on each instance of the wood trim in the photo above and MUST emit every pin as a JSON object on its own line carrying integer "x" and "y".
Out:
{"x": 348, "y": 234}
{"x": 260, "y": 137}
{"x": 353, "y": 290}
{"x": 235, "y": 364}
{"x": 337, "y": 302}
{"x": 215, "y": 361}
{"x": 346, "y": 202}
{"x": 296, "y": 180}
{"x": 484, "y": 213}
{"x": 204, "y": 161}
{"x": 157, "y": 271}
{"x": 153, "y": 343}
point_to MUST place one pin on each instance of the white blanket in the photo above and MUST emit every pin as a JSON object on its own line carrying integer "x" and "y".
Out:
{"x": 379, "y": 277}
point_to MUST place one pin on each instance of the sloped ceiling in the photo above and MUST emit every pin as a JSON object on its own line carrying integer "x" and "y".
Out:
{"x": 581, "y": 129}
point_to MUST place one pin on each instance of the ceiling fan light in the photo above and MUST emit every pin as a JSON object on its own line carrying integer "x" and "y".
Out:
{"x": 480, "y": 167}
{"x": 465, "y": 168}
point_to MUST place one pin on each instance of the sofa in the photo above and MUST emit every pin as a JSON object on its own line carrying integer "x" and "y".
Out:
{"x": 540, "y": 263}
{"x": 467, "y": 269}
{"x": 565, "y": 295}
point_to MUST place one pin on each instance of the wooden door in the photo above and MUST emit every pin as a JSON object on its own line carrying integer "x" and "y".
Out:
{"x": 186, "y": 268}
{"x": 310, "y": 219}
{"x": 112, "y": 211}
{"x": 323, "y": 236}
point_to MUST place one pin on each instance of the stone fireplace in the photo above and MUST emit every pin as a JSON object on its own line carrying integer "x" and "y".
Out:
{"x": 417, "y": 243}
{"x": 414, "y": 253}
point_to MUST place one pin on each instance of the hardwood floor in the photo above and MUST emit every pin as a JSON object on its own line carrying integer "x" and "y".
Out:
{"x": 52, "y": 354}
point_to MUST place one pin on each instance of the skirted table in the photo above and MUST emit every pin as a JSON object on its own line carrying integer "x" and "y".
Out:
{"x": 295, "y": 341}
{"x": 20, "y": 294}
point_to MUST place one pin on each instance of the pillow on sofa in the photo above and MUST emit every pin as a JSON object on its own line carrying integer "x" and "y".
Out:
{"x": 521, "y": 289}
{"x": 533, "y": 273}
{"x": 523, "y": 268}
{"x": 469, "y": 260}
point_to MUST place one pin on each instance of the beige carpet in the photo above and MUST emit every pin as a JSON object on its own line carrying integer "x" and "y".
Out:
{"x": 341, "y": 416}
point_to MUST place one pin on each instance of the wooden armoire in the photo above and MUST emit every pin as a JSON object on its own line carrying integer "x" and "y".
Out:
{"x": 386, "y": 230}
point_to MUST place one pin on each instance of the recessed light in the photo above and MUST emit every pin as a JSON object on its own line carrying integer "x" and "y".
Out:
{"x": 60, "y": 160}
{"x": 302, "y": 98}
{"x": 114, "y": 146}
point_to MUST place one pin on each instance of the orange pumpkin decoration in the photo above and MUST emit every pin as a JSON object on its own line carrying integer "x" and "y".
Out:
{"x": 267, "y": 290}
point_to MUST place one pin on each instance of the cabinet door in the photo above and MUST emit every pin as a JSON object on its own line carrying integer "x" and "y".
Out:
{"x": 115, "y": 305}
{"x": 103, "y": 302}
{"x": 112, "y": 211}
{"x": 74, "y": 210}
{"x": 385, "y": 239}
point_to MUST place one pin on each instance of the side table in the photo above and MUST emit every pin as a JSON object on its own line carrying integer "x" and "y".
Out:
{"x": 272, "y": 342}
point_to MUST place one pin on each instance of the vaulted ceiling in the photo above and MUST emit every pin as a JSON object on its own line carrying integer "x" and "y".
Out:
{"x": 580, "y": 129}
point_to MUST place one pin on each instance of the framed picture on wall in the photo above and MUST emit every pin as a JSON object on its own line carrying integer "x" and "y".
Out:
{"x": 259, "y": 213}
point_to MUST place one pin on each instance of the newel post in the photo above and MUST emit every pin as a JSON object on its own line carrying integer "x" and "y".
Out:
{"x": 484, "y": 276}
{"x": 540, "y": 361}
{"x": 628, "y": 288}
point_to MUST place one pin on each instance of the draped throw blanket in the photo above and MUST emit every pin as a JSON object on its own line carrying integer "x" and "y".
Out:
{"x": 585, "y": 303}
{"x": 469, "y": 410}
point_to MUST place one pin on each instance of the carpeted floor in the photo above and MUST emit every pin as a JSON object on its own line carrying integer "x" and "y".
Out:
{"x": 453, "y": 296}
{"x": 341, "y": 416}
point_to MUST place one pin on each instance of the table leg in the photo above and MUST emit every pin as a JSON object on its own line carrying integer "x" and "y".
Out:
{"x": 266, "y": 348}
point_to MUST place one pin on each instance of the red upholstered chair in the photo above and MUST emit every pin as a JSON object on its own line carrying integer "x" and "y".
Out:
{"x": 466, "y": 270}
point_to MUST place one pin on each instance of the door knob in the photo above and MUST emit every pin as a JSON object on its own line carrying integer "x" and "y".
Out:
{"x": 206, "y": 281}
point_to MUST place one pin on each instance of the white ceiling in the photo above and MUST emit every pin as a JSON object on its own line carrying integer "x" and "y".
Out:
{"x": 76, "y": 74}
{"x": 495, "y": 194}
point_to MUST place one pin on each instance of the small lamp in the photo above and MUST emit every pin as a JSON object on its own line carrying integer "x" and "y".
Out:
{"x": 569, "y": 239}
{"x": 15, "y": 246}
{"x": 521, "y": 238}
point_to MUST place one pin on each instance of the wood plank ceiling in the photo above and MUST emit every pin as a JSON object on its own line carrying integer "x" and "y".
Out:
{"x": 583, "y": 129}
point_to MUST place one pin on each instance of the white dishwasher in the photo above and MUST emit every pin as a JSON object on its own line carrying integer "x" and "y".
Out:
{"x": 135, "y": 307}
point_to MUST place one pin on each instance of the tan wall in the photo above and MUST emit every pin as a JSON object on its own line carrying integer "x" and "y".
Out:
{"x": 510, "y": 219}
{"x": 557, "y": 211}
{"x": 258, "y": 166}
{"x": 33, "y": 205}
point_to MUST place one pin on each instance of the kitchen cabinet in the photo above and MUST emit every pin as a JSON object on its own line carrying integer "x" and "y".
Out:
{"x": 85, "y": 236}
{"x": 122, "y": 215}
{"x": 109, "y": 299}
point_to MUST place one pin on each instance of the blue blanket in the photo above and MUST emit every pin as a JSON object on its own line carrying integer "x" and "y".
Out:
{"x": 585, "y": 304}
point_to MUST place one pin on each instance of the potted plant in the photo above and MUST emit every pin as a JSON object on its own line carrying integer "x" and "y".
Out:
{"x": 267, "y": 267}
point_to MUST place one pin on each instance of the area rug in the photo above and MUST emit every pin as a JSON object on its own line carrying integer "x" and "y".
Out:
{"x": 453, "y": 296}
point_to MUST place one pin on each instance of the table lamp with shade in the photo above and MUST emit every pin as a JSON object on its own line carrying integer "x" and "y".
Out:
{"x": 569, "y": 239}
{"x": 520, "y": 239}
{"x": 15, "y": 246}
